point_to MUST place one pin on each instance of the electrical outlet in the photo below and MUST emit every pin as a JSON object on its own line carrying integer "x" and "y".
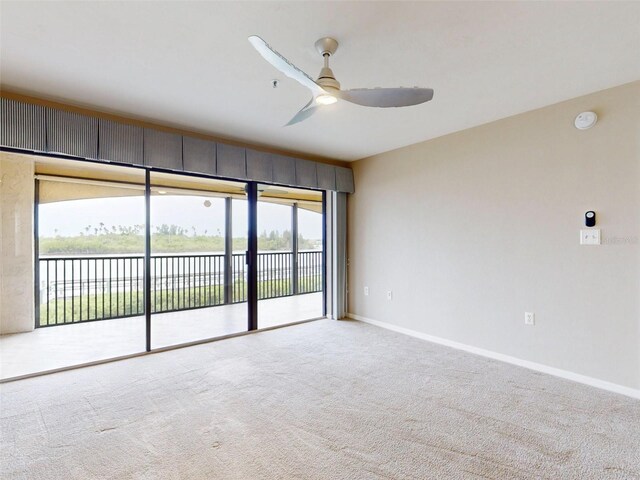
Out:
{"x": 366, "y": 291}
{"x": 529, "y": 318}
{"x": 389, "y": 295}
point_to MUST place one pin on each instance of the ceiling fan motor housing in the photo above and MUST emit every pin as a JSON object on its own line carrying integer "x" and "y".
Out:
{"x": 327, "y": 79}
{"x": 326, "y": 47}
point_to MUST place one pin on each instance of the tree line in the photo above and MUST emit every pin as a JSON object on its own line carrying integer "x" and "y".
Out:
{"x": 119, "y": 239}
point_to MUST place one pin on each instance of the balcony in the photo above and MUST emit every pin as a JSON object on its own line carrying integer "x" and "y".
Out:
{"x": 78, "y": 289}
{"x": 91, "y": 308}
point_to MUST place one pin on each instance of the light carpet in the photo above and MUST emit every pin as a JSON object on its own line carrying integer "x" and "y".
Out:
{"x": 321, "y": 400}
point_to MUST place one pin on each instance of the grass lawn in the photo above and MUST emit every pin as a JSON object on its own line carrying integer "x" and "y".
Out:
{"x": 123, "y": 304}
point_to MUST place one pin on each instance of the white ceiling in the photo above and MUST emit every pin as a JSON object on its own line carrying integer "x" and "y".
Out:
{"x": 189, "y": 64}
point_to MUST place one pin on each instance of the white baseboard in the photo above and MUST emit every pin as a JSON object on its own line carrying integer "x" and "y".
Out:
{"x": 576, "y": 377}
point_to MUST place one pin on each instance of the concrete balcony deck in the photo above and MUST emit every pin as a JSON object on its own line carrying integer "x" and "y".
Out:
{"x": 61, "y": 346}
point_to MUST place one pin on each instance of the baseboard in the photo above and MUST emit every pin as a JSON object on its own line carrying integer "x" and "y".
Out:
{"x": 576, "y": 377}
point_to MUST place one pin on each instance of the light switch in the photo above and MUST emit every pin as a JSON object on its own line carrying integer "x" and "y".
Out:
{"x": 590, "y": 236}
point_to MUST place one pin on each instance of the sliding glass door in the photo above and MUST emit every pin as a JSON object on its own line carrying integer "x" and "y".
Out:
{"x": 290, "y": 255}
{"x": 198, "y": 275}
{"x": 88, "y": 270}
{"x": 129, "y": 260}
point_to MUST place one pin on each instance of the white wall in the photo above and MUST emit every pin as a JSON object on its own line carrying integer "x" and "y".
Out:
{"x": 16, "y": 244}
{"x": 472, "y": 229}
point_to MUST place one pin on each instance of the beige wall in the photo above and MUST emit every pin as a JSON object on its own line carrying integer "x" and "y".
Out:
{"x": 472, "y": 229}
{"x": 16, "y": 244}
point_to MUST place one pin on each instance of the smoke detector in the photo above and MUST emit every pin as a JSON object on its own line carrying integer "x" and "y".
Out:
{"x": 585, "y": 120}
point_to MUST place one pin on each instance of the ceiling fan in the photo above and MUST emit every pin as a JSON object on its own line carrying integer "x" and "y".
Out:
{"x": 326, "y": 89}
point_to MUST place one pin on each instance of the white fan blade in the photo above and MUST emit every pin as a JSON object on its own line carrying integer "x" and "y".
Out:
{"x": 284, "y": 65}
{"x": 306, "y": 111}
{"x": 385, "y": 97}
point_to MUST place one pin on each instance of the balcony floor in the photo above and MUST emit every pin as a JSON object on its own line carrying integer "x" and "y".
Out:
{"x": 66, "y": 345}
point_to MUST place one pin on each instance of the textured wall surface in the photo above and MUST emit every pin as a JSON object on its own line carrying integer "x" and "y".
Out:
{"x": 473, "y": 229}
{"x": 16, "y": 244}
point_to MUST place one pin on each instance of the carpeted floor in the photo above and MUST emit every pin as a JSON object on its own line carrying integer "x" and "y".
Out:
{"x": 322, "y": 400}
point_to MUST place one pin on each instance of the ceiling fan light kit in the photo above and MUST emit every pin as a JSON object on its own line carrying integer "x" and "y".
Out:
{"x": 326, "y": 99}
{"x": 326, "y": 90}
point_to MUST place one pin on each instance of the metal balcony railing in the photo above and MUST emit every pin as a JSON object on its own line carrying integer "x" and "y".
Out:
{"x": 76, "y": 289}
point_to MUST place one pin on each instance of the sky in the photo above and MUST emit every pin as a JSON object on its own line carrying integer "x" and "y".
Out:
{"x": 69, "y": 218}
